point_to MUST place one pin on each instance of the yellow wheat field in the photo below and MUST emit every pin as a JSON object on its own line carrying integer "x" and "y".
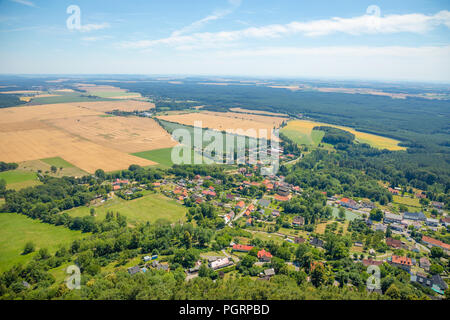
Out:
{"x": 305, "y": 127}
{"x": 228, "y": 121}
{"x": 80, "y": 134}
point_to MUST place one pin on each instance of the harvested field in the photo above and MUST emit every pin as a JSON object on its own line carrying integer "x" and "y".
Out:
{"x": 79, "y": 134}
{"x": 127, "y": 134}
{"x": 230, "y": 121}
{"x": 34, "y": 144}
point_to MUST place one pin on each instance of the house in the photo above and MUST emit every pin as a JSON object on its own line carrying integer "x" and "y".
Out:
{"x": 415, "y": 216}
{"x": 393, "y": 191}
{"x": 298, "y": 221}
{"x": 398, "y": 227}
{"x": 283, "y": 191}
{"x": 133, "y": 270}
{"x": 348, "y": 203}
{"x": 438, "y": 205}
{"x": 230, "y": 196}
{"x": 436, "y": 243}
{"x": 435, "y": 282}
{"x": 147, "y": 258}
{"x": 299, "y": 240}
{"x": 269, "y": 272}
{"x": 370, "y": 262}
{"x": 404, "y": 263}
{"x": 264, "y": 203}
{"x": 392, "y": 218}
{"x": 264, "y": 256}
{"x": 240, "y": 205}
{"x": 220, "y": 263}
{"x": 242, "y": 248}
{"x": 445, "y": 221}
{"x": 249, "y": 222}
{"x": 283, "y": 198}
{"x": 380, "y": 227}
{"x": 316, "y": 242}
{"x": 432, "y": 222}
{"x": 275, "y": 213}
{"x": 425, "y": 263}
{"x": 393, "y": 243}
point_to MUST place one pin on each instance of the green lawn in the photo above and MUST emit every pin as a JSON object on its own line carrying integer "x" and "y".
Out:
{"x": 148, "y": 208}
{"x": 314, "y": 138}
{"x": 58, "y": 162}
{"x": 15, "y": 176}
{"x": 162, "y": 156}
{"x": 66, "y": 97}
{"x": 110, "y": 94}
{"x": 349, "y": 215}
{"x": 16, "y": 230}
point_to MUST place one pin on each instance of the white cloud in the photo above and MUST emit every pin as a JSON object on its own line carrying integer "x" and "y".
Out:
{"x": 366, "y": 24}
{"x": 216, "y": 15}
{"x": 25, "y": 2}
{"x": 93, "y": 27}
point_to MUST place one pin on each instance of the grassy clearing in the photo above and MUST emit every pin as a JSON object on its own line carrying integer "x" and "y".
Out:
{"x": 58, "y": 162}
{"x": 301, "y": 131}
{"x": 45, "y": 166}
{"x": 16, "y": 230}
{"x": 65, "y": 98}
{"x": 161, "y": 156}
{"x": 410, "y": 202}
{"x": 17, "y": 176}
{"x": 148, "y": 208}
{"x": 349, "y": 215}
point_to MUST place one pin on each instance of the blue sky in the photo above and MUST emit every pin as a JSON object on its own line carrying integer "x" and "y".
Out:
{"x": 382, "y": 40}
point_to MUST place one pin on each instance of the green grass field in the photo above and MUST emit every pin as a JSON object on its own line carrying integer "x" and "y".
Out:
{"x": 58, "y": 162}
{"x": 162, "y": 156}
{"x": 110, "y": 94}
{"x": 314, "y": 138}
{"x": 15, "y": 176}
{"x": 16, "y": 230}
{"x": 151, "y": 207}
{"x": 349, "y": 215}
{"x": 65, "y": 98}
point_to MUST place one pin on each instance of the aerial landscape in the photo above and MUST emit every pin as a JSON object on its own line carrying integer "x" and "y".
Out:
{"x": 122, "y": 178}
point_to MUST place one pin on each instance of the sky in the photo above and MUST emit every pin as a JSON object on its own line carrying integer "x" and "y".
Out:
{"x": 372, "y": 40}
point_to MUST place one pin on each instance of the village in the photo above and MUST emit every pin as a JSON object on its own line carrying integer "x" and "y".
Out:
{"x": 255, "y": 203}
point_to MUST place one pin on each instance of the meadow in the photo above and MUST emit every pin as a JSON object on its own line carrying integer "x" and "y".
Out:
{"x": 18, "y": 179}
{"x": 16, "y": 230}
{"x": 150, "y": 208}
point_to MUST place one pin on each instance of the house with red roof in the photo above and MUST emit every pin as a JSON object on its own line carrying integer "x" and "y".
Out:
{"x": 264, "y": 256}
{"x": 431, "y": 242}
{"x": 242, "y": 248}
{"x": 404, "y": 263}
{"x": 240, "y": 205}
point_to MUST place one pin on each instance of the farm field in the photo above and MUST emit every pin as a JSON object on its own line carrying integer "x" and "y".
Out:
{"x": 106, "y": 91}
{"x": 127, "y": 134}
{"x": 16, "y": 230}
{"x": 80, "y": 134}
{"x": 229, "y": 121}
{"x": 150, "y": 208}
{"x": 302, "y": 131}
